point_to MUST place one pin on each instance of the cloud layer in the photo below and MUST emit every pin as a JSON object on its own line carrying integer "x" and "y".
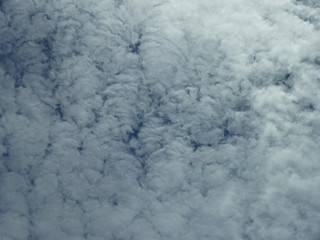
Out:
{"x": 159, "y": 120}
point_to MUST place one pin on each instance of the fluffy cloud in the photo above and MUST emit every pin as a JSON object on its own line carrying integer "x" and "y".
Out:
{"x": 159, "y": 120}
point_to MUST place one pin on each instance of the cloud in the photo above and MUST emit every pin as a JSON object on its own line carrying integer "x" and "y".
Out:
{"x": 159, "y": 120}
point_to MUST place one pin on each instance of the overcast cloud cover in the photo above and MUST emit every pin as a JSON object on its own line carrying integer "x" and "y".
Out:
{"x": 147, "y": 120}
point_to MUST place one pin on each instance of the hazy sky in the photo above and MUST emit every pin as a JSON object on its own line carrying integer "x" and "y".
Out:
{"x": 155, "y": 120}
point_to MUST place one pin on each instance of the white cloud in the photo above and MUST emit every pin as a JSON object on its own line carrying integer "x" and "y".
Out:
{"x": 159, "y": 120}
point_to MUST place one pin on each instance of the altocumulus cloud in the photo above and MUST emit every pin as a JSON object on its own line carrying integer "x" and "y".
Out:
{"x": 152, "y": 120}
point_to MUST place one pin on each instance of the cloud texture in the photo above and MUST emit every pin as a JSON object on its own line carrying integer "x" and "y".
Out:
{"x": 159, "y": 120}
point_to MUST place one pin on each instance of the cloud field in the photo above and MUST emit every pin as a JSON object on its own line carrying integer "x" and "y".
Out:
{"x": 159, "y": 120}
